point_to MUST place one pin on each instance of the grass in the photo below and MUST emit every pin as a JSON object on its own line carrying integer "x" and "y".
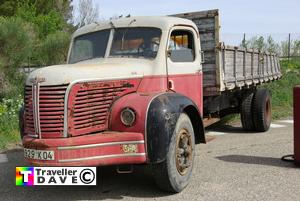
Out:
{"x": 9, "y": 131}
{"x": 9, "y": 122}
{"x": 282, "y": 90}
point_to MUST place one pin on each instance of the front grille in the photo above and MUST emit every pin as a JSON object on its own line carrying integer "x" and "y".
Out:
{"x": 51, "y": 111}
{"x": 91, "y": 103}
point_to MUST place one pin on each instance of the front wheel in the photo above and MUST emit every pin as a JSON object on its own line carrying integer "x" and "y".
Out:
{"x": 174, "y": 173}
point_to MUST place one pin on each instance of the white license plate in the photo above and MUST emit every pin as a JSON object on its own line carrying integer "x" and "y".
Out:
{"x": 38, "y": 154}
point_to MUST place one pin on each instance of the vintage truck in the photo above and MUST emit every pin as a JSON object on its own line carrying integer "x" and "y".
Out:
{"x": 141, "y": 90}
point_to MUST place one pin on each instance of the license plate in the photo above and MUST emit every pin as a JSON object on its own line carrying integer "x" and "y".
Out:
{"x": 38, "y": 154}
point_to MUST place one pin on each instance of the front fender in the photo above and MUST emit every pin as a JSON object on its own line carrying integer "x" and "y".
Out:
{"x": 162, "y": 116}
{"x": 156, "y": 117}
{"x": 139, "y": 102}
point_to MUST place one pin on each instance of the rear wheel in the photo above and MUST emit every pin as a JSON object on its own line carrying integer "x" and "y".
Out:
{"x": 174, "y": 173}
{"x": 246, "y": 113}
{"x": 262, "y": 114}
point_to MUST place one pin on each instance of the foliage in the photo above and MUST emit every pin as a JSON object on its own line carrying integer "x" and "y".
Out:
{"x": 31, "y": 33}
{"x": 11, "y": 106}
{"x": 87, "y": 13}
{"x": 16, "y": 47}
{"x": 272, "y": 46}
{"x": 290, "y": 64}
{"x": 63, "y": 7}
{"x": 43, "y": 7}
{"x": 16, "y": 41}
{"x": 55, "y": 48}
{"x": 282, "y": 90}
{"x": 294, "y": 48}
{"x": 259, "y": 43}
{"x": 281, "y": 49}
{"x": 7, "y": 7}
{"x": 45, "y": 23}
{"x": 9, "y": 109}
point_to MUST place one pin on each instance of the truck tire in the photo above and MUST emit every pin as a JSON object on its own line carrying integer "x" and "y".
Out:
{"x": 173, "y": 174}
{"x": 246, "y": 113}
{"x": 262, "y": 114}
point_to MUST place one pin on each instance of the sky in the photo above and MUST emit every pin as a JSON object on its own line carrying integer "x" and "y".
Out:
{"x": 255, "y": 17}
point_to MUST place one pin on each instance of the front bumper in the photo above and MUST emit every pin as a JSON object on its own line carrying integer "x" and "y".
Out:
{"x": 107, "y": 148}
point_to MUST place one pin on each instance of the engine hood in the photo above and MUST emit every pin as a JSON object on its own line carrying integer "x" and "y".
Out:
{"x": 100, "y": 69}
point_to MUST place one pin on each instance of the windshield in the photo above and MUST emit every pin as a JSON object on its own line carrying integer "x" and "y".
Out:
{"x": 127, "y": 42}
{"x": 136, "y": 42}
{"x": 88, "y": 46}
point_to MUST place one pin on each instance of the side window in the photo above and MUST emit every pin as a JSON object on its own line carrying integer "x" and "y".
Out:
{"x": 181, "y": 46}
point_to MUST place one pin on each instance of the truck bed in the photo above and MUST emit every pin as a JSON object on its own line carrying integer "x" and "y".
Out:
{"x": 228, "y": 67}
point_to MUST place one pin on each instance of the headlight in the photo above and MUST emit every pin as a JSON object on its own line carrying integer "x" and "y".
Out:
{"x": 127, "y": 117}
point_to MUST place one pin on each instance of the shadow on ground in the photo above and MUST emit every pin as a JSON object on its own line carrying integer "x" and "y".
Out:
{"x": 256, "y": 160}
{"x": 111, "y": 185}
{"x": 232, "y": 129}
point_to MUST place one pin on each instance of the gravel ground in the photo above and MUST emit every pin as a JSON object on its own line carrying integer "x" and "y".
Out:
{"x": 233, "y": 166}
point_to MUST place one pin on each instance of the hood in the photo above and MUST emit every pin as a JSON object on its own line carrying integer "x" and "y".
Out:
{"x": 100, "y": 69}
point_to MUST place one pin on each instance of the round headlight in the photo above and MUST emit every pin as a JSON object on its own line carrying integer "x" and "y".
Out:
{"x": 127, "y": 117}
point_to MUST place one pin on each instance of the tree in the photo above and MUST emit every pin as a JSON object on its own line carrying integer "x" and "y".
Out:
{"x": 245, "y": 43}
{"x": 257, "y": 43}
{"x": 43, "y": 7}
{"x": 16, "y": 46}
{"x": 16, "y": 41}
{"x": 45, "y": 23}
{"x": 272, "y": 46}
{"x": 295, "y": 48}
{"x": 87, "y": 13}
{"x": 54, "y": 50}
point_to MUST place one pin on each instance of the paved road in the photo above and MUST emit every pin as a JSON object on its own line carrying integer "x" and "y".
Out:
{"x": 233, "y": 166}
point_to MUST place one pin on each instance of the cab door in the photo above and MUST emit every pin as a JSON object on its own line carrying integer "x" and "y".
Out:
{"x": 184, "y": 63}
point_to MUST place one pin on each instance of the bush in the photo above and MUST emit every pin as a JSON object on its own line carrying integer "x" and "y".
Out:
{"x": 291, "y": 64}
{"x": 54, "y": 50}
{"x": 282, "y": 90}
{"x": 9, "y": 109}
{"x": 16, "y": 41}
{"x": 16, "y": 46}
{"x": 45, "y": 23}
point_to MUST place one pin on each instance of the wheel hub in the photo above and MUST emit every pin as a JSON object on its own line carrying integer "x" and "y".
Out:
{"x": 268, "y": 111}
{"x": 184, "y": 151}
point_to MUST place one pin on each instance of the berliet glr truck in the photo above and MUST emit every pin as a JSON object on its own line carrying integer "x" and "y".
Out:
{"x": 141, "y": 90}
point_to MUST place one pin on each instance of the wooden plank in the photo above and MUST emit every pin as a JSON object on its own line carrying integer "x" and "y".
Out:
{"x": 199, "y": 14}
{"x": 252, "y": 63}
{"x": 218, "y": 54}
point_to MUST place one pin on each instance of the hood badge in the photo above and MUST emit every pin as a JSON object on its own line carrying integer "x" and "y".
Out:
{"x": 37, "y": 80}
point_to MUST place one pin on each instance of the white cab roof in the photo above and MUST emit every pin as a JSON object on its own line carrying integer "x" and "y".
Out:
{"x": 162, "y": 22}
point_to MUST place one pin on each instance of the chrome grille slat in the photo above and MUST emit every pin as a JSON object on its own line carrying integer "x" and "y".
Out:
{"x": 50, "y": 111}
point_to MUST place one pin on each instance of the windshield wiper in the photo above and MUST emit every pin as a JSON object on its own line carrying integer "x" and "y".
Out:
{"x": 112, "y": 25}
{"x": 125, "y": 32}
